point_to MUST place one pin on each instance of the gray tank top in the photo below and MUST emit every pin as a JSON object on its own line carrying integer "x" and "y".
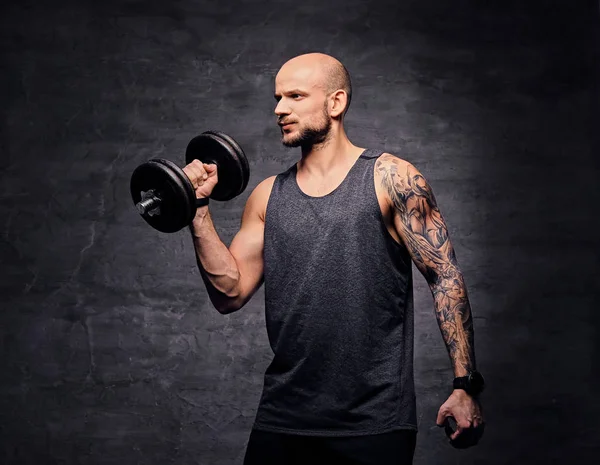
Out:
{"x": 339, "y": 312}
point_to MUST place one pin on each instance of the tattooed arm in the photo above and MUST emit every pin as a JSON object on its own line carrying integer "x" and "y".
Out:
{"x": 419, "y": 223}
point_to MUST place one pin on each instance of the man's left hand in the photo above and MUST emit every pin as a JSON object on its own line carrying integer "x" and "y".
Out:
{"x": 467, "y": 413}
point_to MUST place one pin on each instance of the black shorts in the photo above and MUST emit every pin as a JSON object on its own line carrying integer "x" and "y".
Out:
{"x": 393, "y": 448}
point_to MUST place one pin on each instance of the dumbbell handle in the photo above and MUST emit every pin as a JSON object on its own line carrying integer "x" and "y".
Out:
{"x": 146, "y": 205}
{"x": 150, "y": 203}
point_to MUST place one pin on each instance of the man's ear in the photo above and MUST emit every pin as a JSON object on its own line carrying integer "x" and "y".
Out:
{"x": 338, "y": 103}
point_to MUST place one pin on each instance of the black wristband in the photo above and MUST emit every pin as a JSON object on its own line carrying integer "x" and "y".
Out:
{"x": 201, "y": 202}
{"x": 473, "y": 383}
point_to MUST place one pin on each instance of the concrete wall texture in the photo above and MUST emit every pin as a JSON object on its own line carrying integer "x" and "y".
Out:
{"x": 110, "y": 349}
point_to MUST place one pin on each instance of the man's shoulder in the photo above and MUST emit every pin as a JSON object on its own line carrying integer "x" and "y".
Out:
{"x": 263, "y": 190}
{"x": 259, "y": 197}
{"x": 394, "y": 164}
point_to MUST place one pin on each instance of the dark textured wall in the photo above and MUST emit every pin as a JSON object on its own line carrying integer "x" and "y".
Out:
{"x": 110, "y": 350}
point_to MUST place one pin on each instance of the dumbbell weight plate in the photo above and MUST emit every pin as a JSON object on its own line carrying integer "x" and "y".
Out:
{"x": 178, "y": 199}
{"x": 241, "y": 158}
{"x": 232, "y": 164}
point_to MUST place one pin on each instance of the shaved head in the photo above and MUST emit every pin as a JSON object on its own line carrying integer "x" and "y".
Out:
{"x": 323, "y": 71}
{"x": 313, "y": 94}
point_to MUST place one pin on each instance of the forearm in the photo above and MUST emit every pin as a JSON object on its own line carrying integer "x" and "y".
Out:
{"x": 454, "y": 317}
{"x": 420, "y": 224}
{"x": 216, "y": 264}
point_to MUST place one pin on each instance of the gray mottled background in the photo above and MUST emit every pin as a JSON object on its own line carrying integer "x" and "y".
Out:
{"x": 110, "y": 350}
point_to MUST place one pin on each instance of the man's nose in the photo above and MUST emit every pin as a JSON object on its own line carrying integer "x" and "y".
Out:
{"x": 282, "y": 109}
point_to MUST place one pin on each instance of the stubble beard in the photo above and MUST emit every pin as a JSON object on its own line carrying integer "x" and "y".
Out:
{"x": 311, "y": 135}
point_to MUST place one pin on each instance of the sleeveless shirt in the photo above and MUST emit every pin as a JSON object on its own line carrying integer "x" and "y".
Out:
{"x": 338, "y": 312}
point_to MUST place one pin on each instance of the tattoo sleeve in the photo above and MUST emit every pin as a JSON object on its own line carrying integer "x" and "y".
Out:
{"x": 421, "y": 226}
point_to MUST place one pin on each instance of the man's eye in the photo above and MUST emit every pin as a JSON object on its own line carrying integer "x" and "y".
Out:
{"x": 295, "y": 95}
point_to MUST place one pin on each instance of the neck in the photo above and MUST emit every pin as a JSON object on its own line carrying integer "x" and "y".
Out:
{"x": 325, "y": 157}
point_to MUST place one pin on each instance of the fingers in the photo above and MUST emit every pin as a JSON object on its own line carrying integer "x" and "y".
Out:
{"x": 467, "y": 434}
{"x": 441, "y": 417}
{"x": 195, "y": 171}
{"x": 465, "y": 423}
{"x": 461, "y": 426}
{"x": 456, "y": 434}
{"x": 199, "y": 172}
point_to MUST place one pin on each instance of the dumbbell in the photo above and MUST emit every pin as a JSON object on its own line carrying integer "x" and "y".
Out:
{"x": 468, "y": 438}
{"x": 164, "y": 196}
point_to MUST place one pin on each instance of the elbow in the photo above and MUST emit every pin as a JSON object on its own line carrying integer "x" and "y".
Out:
{"x": 228, "y": 303}
{"x": 226, "y": 300}
{"x": 227, "y": 310}
{"x": 230, "y": 306}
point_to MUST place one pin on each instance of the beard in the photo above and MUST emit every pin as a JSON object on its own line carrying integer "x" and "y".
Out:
{"x": 311, "y": 135}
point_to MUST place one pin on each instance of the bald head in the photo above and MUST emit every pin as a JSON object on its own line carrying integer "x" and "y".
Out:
{"x": 320, "y": 70}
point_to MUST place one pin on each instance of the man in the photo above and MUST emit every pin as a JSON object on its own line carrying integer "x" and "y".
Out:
{"x": 333, "y": 239}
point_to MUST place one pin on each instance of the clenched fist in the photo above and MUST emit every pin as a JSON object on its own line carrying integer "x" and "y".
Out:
{"x": 204, "y": 177}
